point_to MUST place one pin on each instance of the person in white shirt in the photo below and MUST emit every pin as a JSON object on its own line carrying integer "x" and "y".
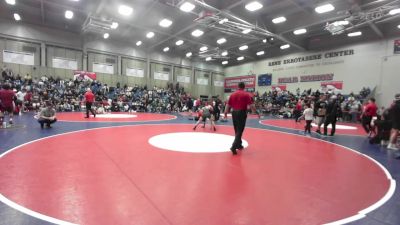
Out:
{"x": 21, "y": 99}
{"x": 308, "y": 115}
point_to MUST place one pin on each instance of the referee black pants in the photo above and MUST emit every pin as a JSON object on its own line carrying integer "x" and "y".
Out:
{"x": 239, "y": 122}
{"x": 89, "y": 108}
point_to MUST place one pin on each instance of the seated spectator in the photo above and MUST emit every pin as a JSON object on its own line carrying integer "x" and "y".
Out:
{"x": 47, "y": 115}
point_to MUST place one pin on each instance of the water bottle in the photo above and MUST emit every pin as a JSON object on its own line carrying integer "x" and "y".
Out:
{"x": 4, "y": 124}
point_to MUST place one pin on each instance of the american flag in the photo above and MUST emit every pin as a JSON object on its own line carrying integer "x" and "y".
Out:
{"x": 397, "y": 46}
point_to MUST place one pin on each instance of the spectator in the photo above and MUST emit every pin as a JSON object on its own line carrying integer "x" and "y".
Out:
{"x": 47, "y": 115}
{"x": 395, "y": 117}
{"x": 332, "y": 112}
{"x": 370, "y": 111}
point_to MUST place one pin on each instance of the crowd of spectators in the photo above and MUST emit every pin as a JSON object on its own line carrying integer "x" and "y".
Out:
{"x": 283, "y": 103}
{"x": 68, "y": 95}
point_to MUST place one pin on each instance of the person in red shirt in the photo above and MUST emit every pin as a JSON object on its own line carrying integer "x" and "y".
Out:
{"x": 89, "y": 99}
{"x": 370, "y": 111}
{"x": 239, "y": 101}
{"x": 7, "y": 97}
{"x": 297, "y": 110}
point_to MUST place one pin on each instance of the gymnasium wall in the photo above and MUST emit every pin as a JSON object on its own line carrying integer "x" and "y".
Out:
{"x": 127, "y": 63}
{"x": 370, "y": 64}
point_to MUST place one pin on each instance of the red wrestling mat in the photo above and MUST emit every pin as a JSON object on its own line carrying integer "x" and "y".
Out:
{"x": 114, "y": 176}
{"x": 114, "y": 117}
{"x": 341, "y": 128}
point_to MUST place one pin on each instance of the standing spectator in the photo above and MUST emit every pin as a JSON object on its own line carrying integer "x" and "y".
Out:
{"x": 297, "y": 111}
{"x": 89, "y": 99}
{"x": 239, "y": 102}
{"x": 47, "y": 115}
{"x": 320, "y": 112}
{"x": 217, "y": 110}
{"x": 395, "y": 117}
{"x": 308, "y": 116}
{"x": 332, "y": 112}
{"x": 370, "y": 110}
{"x": 354, "y": 110}
{"x": 7, "y": 97}
{"x": 21, "y": 99}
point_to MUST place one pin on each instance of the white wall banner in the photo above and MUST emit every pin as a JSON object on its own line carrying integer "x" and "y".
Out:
{"x": 103, "y": 68}
{"x": 161, "y": 76}
{"x": 218, "y": 83}
{"x": 183, "y": 79}
{"x": 134, "y": 72}
{"x": 202, "y": 81}
{"x": 25, "y": 58}
{"x": 62, "y": 63}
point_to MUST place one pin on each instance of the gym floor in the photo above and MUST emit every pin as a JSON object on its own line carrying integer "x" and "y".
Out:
{"x": 154, "y": 169}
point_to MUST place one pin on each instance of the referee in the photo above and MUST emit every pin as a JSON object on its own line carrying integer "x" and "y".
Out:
{"x": 239, "y": 102}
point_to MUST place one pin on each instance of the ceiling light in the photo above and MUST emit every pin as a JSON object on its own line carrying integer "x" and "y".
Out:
{"x": 280, "y": 19}
{"x": 69, "y": 14}
{"x": 165, "y": 23}
{"x": 340, "y": 23}
{"x": 223, "y": 21}
{"x": 139, "y": 43}
{"x": 114, "y": 25}
{"x": 204, "y": 48}
{"x": 264, "y": 40}
{"x": 225, "y": 53}
{"x": 180, "y": 42}
{"x": 10, "y": 2}
{"x": 285, "y": 46}
{"x": 125, "y": 10}
{"x": 244, "y": 47}
{"x": 221, "y": 41}
{"x": 150, "y": 35}
{"x": 197, "y": 33}
{"x": 300, "y": 31}
{"x": 208, "y": 58}
{"x": 324, "y": 8}
{"x": 224, "y": 62}
{"x": 166, "y": 49}
{"x": 246, "y": 31}
{"x": 188, "y": 54}
{"x": 398, "y": 26}
{"x": 354, "y": 34}
{"x": 187, "y": 7}
{"x": 106, "y": 35}
{"x": 260, "y": 53}
{"x": 240, "y": 58}
{"x": 17, "y": 17}
{"x": 394, "y": 11}
{"x": 253, "y": 6}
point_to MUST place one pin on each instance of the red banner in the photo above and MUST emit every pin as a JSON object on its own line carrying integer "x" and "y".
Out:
{"x": 84, "y": 75}
{"x": 232, "y": 82}
{"x": 279, "y": 87}
{"x": 332, "y": 85}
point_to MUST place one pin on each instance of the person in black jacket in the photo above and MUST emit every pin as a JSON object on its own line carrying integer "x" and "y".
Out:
{"x": 332, "y": 111}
